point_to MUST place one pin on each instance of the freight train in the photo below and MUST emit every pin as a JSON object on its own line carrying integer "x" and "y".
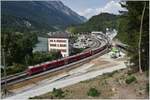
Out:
{"x": 60, "y": 62}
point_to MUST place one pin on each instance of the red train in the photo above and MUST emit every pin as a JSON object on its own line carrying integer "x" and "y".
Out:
{"x": 57, "y": 63}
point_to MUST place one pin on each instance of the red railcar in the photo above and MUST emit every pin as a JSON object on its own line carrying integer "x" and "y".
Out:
{"x": 45, "y": 66}
{"x": 50, "y": 65}
{"x": 60, "y": 63}
{"x": 35, "y": 69}
{"x": 53, "y": 64}
{"x": 57, "y": 63}
{"x": 97, "y": 50}
{"x": 87, "y": 54}
{"x": 74, "y": 58}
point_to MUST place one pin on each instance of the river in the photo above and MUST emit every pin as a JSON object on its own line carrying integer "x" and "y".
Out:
{"x": 42, "y": 45}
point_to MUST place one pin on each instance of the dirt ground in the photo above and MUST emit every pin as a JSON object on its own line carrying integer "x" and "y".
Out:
{"x": 111, "y": 85}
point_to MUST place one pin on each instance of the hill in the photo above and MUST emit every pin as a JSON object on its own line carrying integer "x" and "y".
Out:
{"x": 38, "y": 15}
{"x": 97, "y": 23}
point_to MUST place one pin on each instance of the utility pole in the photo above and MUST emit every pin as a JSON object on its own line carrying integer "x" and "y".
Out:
{"x": 5, "y": 74}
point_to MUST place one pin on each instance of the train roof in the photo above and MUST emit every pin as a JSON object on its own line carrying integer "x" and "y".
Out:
{"x": 34, "y": 66}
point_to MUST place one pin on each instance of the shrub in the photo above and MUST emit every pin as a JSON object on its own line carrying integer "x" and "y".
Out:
{"x": 93, "y": 92}
{"x": 130, "y": 79}
{"x": 15, "y": 68}
{"x": 58, "y": 93}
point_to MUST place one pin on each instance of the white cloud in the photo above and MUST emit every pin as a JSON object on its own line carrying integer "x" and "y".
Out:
{"x": 110, "y": 7}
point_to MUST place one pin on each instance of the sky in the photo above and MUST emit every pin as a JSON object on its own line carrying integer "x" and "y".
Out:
{"x": 88, "y": 8}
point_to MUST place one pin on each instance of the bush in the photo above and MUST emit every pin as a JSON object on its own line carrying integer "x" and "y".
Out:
{"x": 58, "y": 93}
{"x": 130, "y": 79}
{"x": 15, "y": 68}
{"x": 93, "y": 92}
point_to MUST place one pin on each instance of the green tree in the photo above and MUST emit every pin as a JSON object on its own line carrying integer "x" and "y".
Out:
{"x": 17, "y": 45}
{"x": 131, "y": 28}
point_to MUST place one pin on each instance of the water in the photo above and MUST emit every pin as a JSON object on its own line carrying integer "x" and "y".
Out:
{"x": 42, "y": 45}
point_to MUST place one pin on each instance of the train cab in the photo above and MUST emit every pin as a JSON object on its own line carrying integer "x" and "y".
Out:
{"x": 34, "y": 69}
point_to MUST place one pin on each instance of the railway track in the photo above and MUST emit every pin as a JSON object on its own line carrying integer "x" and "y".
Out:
{"x": 23, "y": 76}
{"x": 96, "y": 43}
